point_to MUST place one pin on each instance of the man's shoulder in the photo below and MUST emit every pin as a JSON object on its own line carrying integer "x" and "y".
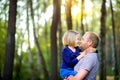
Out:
{"x": 91, "y": 55}
{"x": 87, "y": 62}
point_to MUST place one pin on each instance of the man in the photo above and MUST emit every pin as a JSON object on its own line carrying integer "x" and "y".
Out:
{"x": 87, "y": 67}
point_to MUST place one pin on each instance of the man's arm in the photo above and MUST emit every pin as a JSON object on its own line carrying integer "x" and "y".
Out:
{"x": 80, "y": 75}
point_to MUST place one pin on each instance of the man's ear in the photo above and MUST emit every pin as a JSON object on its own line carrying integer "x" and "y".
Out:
{"x": 90, "y": 42}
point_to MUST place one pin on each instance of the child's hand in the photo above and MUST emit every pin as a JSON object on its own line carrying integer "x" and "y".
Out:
{"x": 81, "y": 55}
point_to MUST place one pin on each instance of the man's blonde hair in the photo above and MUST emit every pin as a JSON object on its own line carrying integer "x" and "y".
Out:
{"x": 69, "y": 38}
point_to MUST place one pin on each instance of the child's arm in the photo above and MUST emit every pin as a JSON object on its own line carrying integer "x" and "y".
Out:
{"x": 90, "y": 49}
{"x": 81, "y": 55}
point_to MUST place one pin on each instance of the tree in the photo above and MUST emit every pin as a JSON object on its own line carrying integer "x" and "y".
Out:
{"x": 102, "y": 42}
{"x": 18, "y": 50}
{"x": 117, "y": 30}
{"x": 82, "y": 15}
{"x": 68, "y": 14}
{"x": 53, "y": 37}
{"x": 29, "y": 47}
{"x": 116, "y": 70}
{"x": 60, "y": 46}
{"x": 10, "y": 42}
{"x": 46, "y": 75}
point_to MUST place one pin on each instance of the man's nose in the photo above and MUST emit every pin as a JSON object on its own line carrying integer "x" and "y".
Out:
{"x": 79, "y": 41}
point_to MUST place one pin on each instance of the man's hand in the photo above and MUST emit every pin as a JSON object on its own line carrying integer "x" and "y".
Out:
{"x": 79, "y": 76}
{"x": 71, "y": 78}
{"x": 66, "y": 79}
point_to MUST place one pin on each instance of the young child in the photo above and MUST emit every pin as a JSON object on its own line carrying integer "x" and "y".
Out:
{"x": 71, "y": 53}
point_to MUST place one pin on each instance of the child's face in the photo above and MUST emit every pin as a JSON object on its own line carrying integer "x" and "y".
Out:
{"x": 77, "y": 42}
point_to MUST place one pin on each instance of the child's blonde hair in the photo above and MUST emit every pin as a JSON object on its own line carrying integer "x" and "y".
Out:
{"x": 69, "y": 38}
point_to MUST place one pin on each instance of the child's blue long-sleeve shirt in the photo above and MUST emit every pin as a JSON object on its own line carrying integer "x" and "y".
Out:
{"x": 69, "y": 59}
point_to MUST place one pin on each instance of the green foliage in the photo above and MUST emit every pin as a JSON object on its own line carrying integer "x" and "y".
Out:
{"x": 44, "y": 42}
{"x": 3, "y": 30}
{"x": 110, "y": 71}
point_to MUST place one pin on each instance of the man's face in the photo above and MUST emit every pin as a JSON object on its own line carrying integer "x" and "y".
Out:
{"x": 84, "y": 42}
{"x": 77, "y": 41}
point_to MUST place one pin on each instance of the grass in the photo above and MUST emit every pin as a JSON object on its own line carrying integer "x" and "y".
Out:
{"x": 108, "y": 78}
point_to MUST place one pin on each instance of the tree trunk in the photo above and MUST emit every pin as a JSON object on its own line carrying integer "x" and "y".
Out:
{"x": 53, "y": 37}
{"x": 116, "y": 70}
{"x": 29, "y": 47}
{"x": 118, "y": 48}
{"x": 46, "y": 36}
{"x": 46, "y": 76}
{"x": 18, "y": 63}
{"x": 10, "y": 44}
{"x": 68, "y": 14}
{"x": 59, "y": 42}
{"x": 82, "y": 13}
{"x": 102, "y": 43}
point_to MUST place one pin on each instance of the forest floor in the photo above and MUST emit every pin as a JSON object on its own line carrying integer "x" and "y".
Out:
{"x": 108, "y": 78}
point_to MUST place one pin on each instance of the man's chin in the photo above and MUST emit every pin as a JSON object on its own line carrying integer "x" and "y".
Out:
{"x": 81, "y": 49}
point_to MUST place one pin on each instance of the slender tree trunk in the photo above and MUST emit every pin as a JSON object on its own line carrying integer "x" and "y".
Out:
{"x": 60, "y": 46}
{"x": 59, "y": 29}
{"x": 82, "y": 13}
{"x": 53, "y": 37}
{"x": 117, "y": 36}
{"x": 118, "y": 48}
{"x": 18, "y": 67}
{"x": 118, "y": 44}
{"x": 68, "y": 14}
{"x": 10, "y": 44}
{"x": 29, "y": 47}
{"x": 59, "y": 42}
{"x": 116, "y": 70}
{"x": 0, "y": 69}
{"x": 38, "y": 59}
{"x": 19, "y": 58}
{"x": 39, "y": 70}
{"x": 102, "y": 43}
{"x": 46, "y": 30}
{"x": 46, "y": 75}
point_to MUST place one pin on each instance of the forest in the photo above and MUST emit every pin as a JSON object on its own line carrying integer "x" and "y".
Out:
{"x": 31, "y": 36}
